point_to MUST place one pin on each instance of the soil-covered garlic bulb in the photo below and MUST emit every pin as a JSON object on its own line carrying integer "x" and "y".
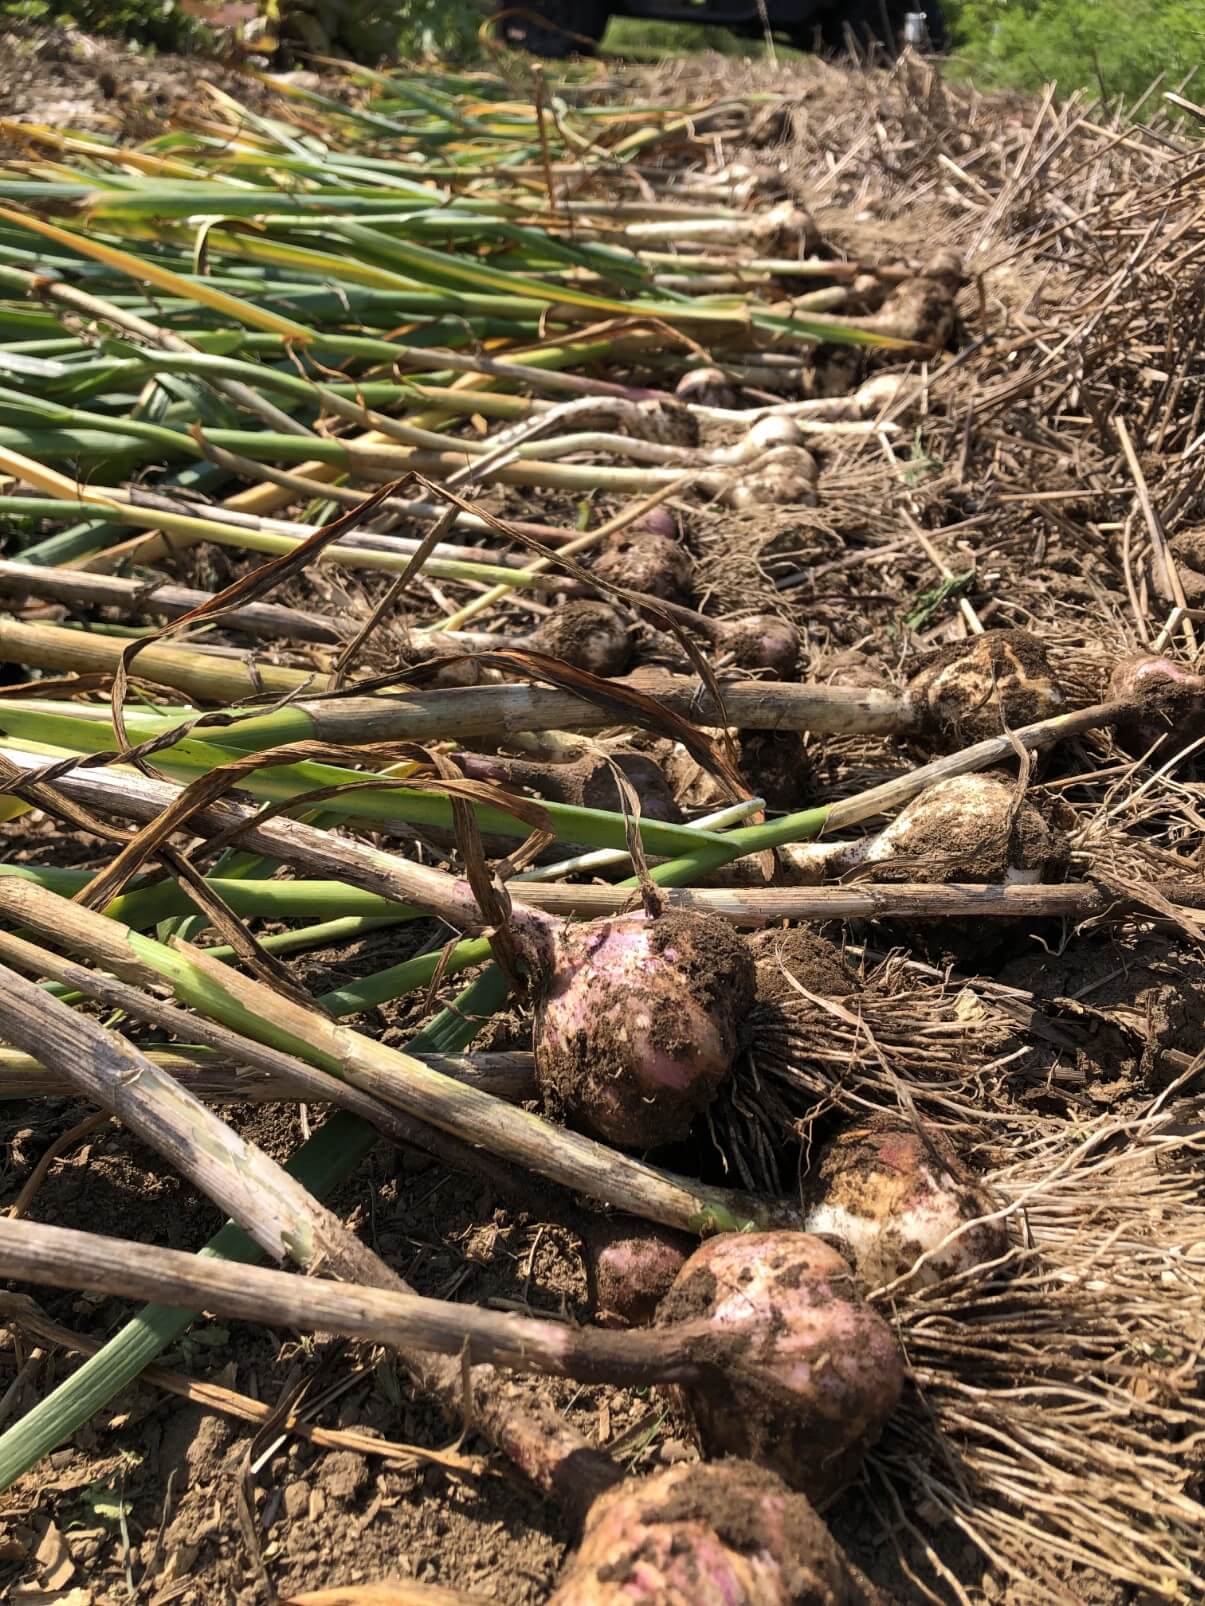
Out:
{"x": 591, "y": 783}
{"x": 599, "y": 788}
{"x": 821, "y": 1373}
{"x": 760, "y": 641}
{"x": 778, "y": 765}
{"x": 726, "y": 1534}
{"x": 667, "y": 422}
{"x": 707, "y": 387}
{"x": 784, "y": 475}
{"x": 785, "y": 230}
{"x": 1167, "y": 700}
{"x": 660, "y": 521}
{"x": 920, "y": 311}
{"x": 881, "y": 391}
{"x": 974, "y": 689}
{"x": 853, "y": 668}
{"x": 946, "y": 265}
{"x": 648, "y": 561}
{"x": 889, "y": 1195}
{"x": 965, "y": 828}
{"x": 630, "y": 1267}
{"x": 636, "y": 1023}
{"x": 1188, "y": 550}
{"x": 587, "y": 782}
{"x": 588, "y": 635}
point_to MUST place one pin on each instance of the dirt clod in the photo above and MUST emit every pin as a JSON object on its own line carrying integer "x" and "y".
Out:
{"x": 1000, "y": 680}
{"x": 648, "y": 562}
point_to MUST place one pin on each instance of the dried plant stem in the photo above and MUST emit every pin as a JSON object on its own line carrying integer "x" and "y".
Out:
{"x": 397, "y": 879}
{"x": 515, "y": 1135}
{"x": 744, "y": 906}
{"x": 278, "y": 1213}
{"x": 331, "y": 1154}
{"x": 504, "y": 710}
{"x": 141, "y": 597}
{"x": 238, "y": 1077}
{"x": 62, "y": 1258}
{"x": 285, "y": 1220}
{"x": 210, "y": 678}
{"x": 23, "y": 1312}
{"x": 300, "y": 1079}
{"x": 1072, "y": 900}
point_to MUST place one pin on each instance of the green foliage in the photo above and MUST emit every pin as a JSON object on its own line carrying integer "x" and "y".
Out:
{"x": 1100, "y": 45}
{"x": 633, "y": 36}
{"x": 367, "y": 31}
{"x": 1090, "y": 44}
{"x": 371, "y": 31}
{"x": 159, "y": 24}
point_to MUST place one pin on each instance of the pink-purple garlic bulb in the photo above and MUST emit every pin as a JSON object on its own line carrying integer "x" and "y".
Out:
{"x": 724, "y": 1534}
{"x": 899, "y": 1205}
{"x": 636, "y": 1022}
{"x": 821, "y": 1372}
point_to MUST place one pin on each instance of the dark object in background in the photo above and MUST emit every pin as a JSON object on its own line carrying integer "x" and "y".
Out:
{"x": 557, "y": 28}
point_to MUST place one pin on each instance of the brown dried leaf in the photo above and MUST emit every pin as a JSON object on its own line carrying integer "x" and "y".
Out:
{"x": 629, "y": 707}
{"x": 34, "y": 1595}
{"x": 247, "y": 589}
{"x": 55, "y": 1566}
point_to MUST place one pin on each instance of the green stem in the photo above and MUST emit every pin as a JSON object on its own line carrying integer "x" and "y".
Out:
{"x": 401, "y": 805}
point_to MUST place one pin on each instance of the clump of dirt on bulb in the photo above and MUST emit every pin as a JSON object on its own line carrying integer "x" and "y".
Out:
{"x": 588, "y": 635}
{"x": 728, "y": 1531}
{"x": 971, "y": 690}
{"x": 635, "y": 1051}
{"x": 799, "y": 955}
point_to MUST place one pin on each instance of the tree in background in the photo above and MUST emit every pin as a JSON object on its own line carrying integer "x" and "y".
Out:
{"x": 370, "y": 31}
{"x": 1107, "y": 45}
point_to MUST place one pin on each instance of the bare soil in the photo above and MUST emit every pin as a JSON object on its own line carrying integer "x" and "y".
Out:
{"x": 64, "y": 78}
